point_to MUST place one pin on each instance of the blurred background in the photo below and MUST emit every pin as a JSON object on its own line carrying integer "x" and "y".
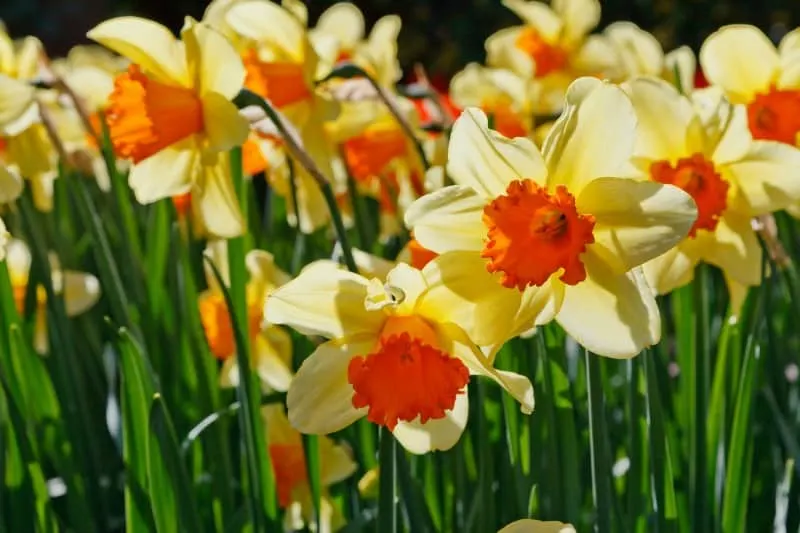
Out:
{"x": 441, "y": 34}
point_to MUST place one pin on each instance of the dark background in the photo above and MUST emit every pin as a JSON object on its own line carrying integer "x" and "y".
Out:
{"x": 441, "y": 34}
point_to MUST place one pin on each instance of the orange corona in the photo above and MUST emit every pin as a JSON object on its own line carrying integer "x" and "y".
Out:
{"x": 217, "y": 323}
{"x": 145, "y": 116}
{"x": 407, "y": 375}
{"x": 532, "y": 234}
{"x": 696, "y": 175}
{"x": 283, "y": 83}
{"x": 549, "y": 58}
{"x": 289, "y": 467}
{"x": 775, "y": 116}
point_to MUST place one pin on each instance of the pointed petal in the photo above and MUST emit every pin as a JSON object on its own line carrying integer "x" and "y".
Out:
{"x": 147, "y": 44}
{"x": 639, "y": 51}
{"x": 539, "y": 15}
{"x": 594, "y": 137}
{"x": 216, "y": 66}
{"x": 485, "y": 160}
{"x": 636, "y": 221}
{"x": 324, "y": 300}
{"x": 449, "y": 219}
{"x": 218, "y": 205}
{"x": 740, "y": 59}
{"x": 734, "y": 248}
{"x": 436, "y": 434}
{"x": 344, "y": 21}
{"x": 579, "y": 17}
{"x": 17, "y": 99}
{"x": 168, "y": 173}
{"x": 670, "y": 270}
{"x": 766, "y": 178}
{"x": 413, "y": 284}
{"x": 10, "y": 185}
{"x": 266, "y": 22}
{"x": 224, "y": 127}
{"x": 269, "y": 363}
{"x": 614, "y": 315}
{"x": 683, "y": 61}
{"x": 320, "y": 400}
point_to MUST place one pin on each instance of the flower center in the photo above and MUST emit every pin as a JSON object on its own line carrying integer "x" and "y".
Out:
{"x": 532, "y": 234}
{"x": 775, "y": 116}
{"x": 696, "y": 176}
{"x": 282, "y": 82}
{"x": 289, "y": 467}
{"x": 145, "y": 116}
{"x": 406, "y": 376}
{"x": 548, "y": 57}
{"x": 504, "y": 119}
{"x": 217, "y": 323}
{"x": 368, "y": 154}
{"x": 420, "y": 256}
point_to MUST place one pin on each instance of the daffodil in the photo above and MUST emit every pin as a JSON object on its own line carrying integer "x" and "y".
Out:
{"x": 171, "y": 115}
{"x": 291, "y": 477}
{"x": 508, "y": 98}
{"x": 10, "y": 189}
{"x": 640, "y": 54}
{"x": 79, "y": 289}
{"x": 744, "y": 63}
{"x": 553, "y": 46}
{"x": 282, "y": 66}
{"x": 394, "y": 355}
{"x": 526, "y": 237}
{"x": 271, "y": 346}
{"x": 705, "y": 148}
{"x": 527, "y": 525}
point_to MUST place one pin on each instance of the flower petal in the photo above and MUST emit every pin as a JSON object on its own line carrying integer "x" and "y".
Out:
{"x": 336, "y": 462}
{"x": 539, "y": 15}
{"x": 635, "y": 221}
{"x": 213, "y": 62}
{"x": 527, "y": 525}
{"x": 81, "y": 291}
{"x": 683, "y": 61}
{"x": 501, "y": 52}
{"x": 270, "y": 23}
{"x": 10, "y": 185}
{"x": 579, "y": 18}
{"x": 218, "y": 205}
{"x": 324, "y": 300}
{"x": 593, "y": 138}
{"x": 17, "y": 98}
{"x": 224, "y": 127}
{"x": 734, "y": 248}
{"x": 344, "y": 21}
{"x": 740, "y": 59}
{"x": 320, "y": 400}
{"x": 413, "y": 284}
{"x": 766, "y": 178}
{"x": 147, "y": 44}
{"x": 167, "y": 173}
{"x": 449, "y": 219}
{"x": 272, "y": 351}
{"x": 435, "y": 434}
{"x": 610, "y": 314}
{"x": 639, "y": 51}
{"x": 487, "y": 161}
{"x": 671, "y": 270}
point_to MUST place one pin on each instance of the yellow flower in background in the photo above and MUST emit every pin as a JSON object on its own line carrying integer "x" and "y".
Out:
{"x": 270, "y": 346}
{"x": 705, "y": 148}
{"x": 282, "y": 66}
{"x": 640, "y": 54}
{"x": 744, "y": 63}
{"x": 529, "y": 236}
{"x": 10, "y": 189}
{"x": 171, "y": 115}
{"x": 508, "y": 98}
{"x": 79, "y": 289}
{"x": 553, "y": 47}
{"x": 527, "y": 525}
{"x": 394, "y": 356}
{"x": 291, "y": 477}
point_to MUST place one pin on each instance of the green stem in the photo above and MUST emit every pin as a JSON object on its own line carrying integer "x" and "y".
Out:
{"x": 387, "y": 495}
{"x": 699, "y": 392}
{"x": 601, "y": 469}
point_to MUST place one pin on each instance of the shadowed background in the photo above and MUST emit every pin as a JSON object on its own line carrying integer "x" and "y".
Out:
{"x": 441, "y": 34}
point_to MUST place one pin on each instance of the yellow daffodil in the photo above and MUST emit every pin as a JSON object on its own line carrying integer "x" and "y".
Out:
{"x": 640, "y": 54}
{"x": 394, "y": 355}
{"x": 744, "y": 63}
{"x": 10, "y": 189}
{"x": 282, "y": 66}
{"x": 271, "y": 346}
{"x": 80, "y": 290}
{"x": 553, "y": 46}
{"x": 529, "y": 236}
{"x": 171, "y": 114}
{"x": 505, "y": 96}
{"x": 707, "y": 150}
{"x": 527, "y": 525}
{"x": 291, "y": 477}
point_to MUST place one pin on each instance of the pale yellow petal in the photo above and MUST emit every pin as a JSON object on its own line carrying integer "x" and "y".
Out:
{"x": 639, "y": 52}
{"x": 579, "y": 17}
{"x": 324, "y": 300}
{"x": 740, "y": 59}
{"x": 597, "y": 56}
{"x": 270, "y": 366}
{"x": 610, "y": 314}
{"x": 411, "y": 282}
{"x": 737, "y": 294}
{"x": 212, "y": 60}
{"x": 263, "y": 270}
{"x": 665, "y": 119}
{"x": 4, "y": 238}
{"x": 16, "y": 99}
{"x": 502, "y": 52}
{"x": 671, "y": 270}
{"x": 487, "y": 161}
{"x": 435, "y": 434}
{"x": 449, "y": 219}
{"x": 168, "y": 173}
{"x": 729, "y": 127}
{"x": 216, "y": 200}
{"x": 635, "y": 221}
{"x": 10, "y": 185}
{"x": 683, "y": 62}
{"x": 224, "y": 127}
{"x": 372, "y": 266}
{"x": 81, "y": 292}
{"x": 266, "y": 22}
{"x": 734, "y": 248}
{"x": 146, "y": 43}
{"x": 594, "y": 138}
{"x": 344, "y": 21}
{"x": 336, "y": 462}
{"x": 527, "y": 525}
{"x": 18, "y": 261}
{"x": 320, "y": 399}
{"x": 29, "y": 58}
{"x": 539, "y": 15}
{"x": 766, "y": 178}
